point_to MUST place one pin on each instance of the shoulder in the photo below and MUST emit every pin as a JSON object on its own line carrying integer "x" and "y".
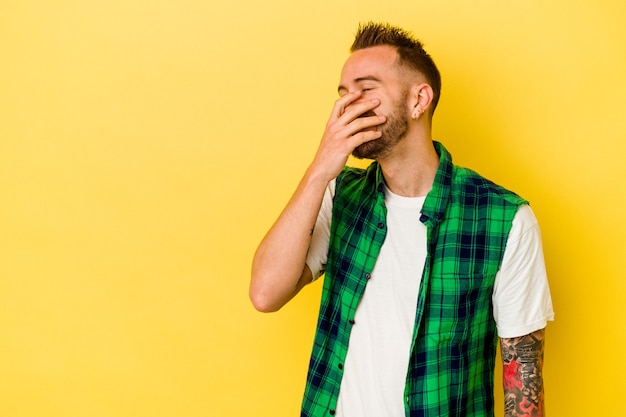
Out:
{"x": 359, "y": 178}
{"x": 468, "y": 182}
{"x": 349, "y": 173}
{"x": 525, "y": 225}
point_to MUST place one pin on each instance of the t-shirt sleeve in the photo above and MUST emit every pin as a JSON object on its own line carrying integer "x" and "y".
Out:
{"x": 318, "y": 250}
{"x": 522, "y": 302}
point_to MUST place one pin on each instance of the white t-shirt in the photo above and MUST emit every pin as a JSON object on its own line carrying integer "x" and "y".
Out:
{"x": 378, "y": 352}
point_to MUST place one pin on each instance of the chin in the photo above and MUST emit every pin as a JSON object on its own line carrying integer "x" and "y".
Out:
{"x": 370, "y": 150}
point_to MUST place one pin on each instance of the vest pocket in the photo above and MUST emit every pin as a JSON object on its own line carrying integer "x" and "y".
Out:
{"x": 458, "y": 307}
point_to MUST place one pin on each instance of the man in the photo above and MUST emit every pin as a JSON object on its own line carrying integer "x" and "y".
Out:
{"x": 425, "y": 263}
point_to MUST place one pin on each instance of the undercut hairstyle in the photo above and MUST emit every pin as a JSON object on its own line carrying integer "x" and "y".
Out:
{"x": 410, "y": 51}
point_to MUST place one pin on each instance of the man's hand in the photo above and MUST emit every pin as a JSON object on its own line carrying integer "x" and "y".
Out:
{"x": 345, "y": 130}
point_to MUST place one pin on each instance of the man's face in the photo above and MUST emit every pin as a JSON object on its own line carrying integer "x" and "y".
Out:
{"x": 374, "y": 72}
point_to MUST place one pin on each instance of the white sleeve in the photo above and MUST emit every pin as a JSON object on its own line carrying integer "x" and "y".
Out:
{"x": 521, "y": 296}
{"x": 318, "y": 250}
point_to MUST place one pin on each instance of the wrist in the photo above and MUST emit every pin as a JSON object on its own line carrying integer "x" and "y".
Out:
{"x": 318, "y": 176}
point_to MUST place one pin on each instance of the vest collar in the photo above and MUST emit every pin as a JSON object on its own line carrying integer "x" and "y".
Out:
{"x": 437, "y": 198}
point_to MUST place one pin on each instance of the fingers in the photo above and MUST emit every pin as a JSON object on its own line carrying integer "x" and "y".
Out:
{"x": 348, "y": 112}
{"x": 346, "y": 129}
{"x": 347, "y": 109}
{"x": 356, "y": 110}
{"x": 343, "y": 102}
{"x": 353, "y": 121}
{"x": 363, "y": 124}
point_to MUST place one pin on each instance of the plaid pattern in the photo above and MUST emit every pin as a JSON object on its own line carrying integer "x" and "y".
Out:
{"x": 468, "y": 219}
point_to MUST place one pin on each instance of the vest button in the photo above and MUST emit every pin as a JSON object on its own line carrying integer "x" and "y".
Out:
{"x": 332, "y": 412}
{"x": 351, "y": 321}
{"x": 381, "y": 225}
{"x": 368, "y": 276}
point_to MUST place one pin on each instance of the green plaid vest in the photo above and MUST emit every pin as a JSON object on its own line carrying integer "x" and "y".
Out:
{"x": 453, "y": 351}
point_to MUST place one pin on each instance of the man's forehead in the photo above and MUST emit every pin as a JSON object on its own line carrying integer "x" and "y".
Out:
{"x": 382, "y": 55}
{"x": 376, "y": 61}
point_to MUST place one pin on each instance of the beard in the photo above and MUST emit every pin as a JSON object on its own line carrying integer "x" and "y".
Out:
{"x": 393, "y": 131}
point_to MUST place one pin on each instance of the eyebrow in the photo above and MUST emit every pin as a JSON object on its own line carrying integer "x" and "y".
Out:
{"x": 358, "y": 80}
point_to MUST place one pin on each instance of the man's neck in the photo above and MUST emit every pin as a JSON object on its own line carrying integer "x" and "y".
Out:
{"x": 410, "y": 170}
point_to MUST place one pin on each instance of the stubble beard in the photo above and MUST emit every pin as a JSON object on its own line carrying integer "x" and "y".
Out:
{"x": 393, "y": 131}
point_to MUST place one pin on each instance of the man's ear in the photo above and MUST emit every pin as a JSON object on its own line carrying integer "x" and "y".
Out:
{"x": 421, "y": 97}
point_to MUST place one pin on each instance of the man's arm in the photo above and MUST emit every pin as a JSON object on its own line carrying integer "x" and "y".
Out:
{"x": 279, "y": 269}
{"x": 522, "y": 364}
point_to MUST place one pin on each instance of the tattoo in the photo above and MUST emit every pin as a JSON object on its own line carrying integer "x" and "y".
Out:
{"x": 522, "y": 364}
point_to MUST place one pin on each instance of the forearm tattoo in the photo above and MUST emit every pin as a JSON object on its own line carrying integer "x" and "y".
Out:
{"x": 522, "y": 363}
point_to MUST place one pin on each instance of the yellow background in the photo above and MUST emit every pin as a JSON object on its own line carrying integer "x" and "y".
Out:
{"x": 146, "y": 147}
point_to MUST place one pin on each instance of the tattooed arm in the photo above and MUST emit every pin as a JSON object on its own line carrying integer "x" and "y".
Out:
{"x": 522, "y": 363}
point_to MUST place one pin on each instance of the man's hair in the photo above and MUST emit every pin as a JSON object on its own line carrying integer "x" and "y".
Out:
{"x": 410, "y": 51}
